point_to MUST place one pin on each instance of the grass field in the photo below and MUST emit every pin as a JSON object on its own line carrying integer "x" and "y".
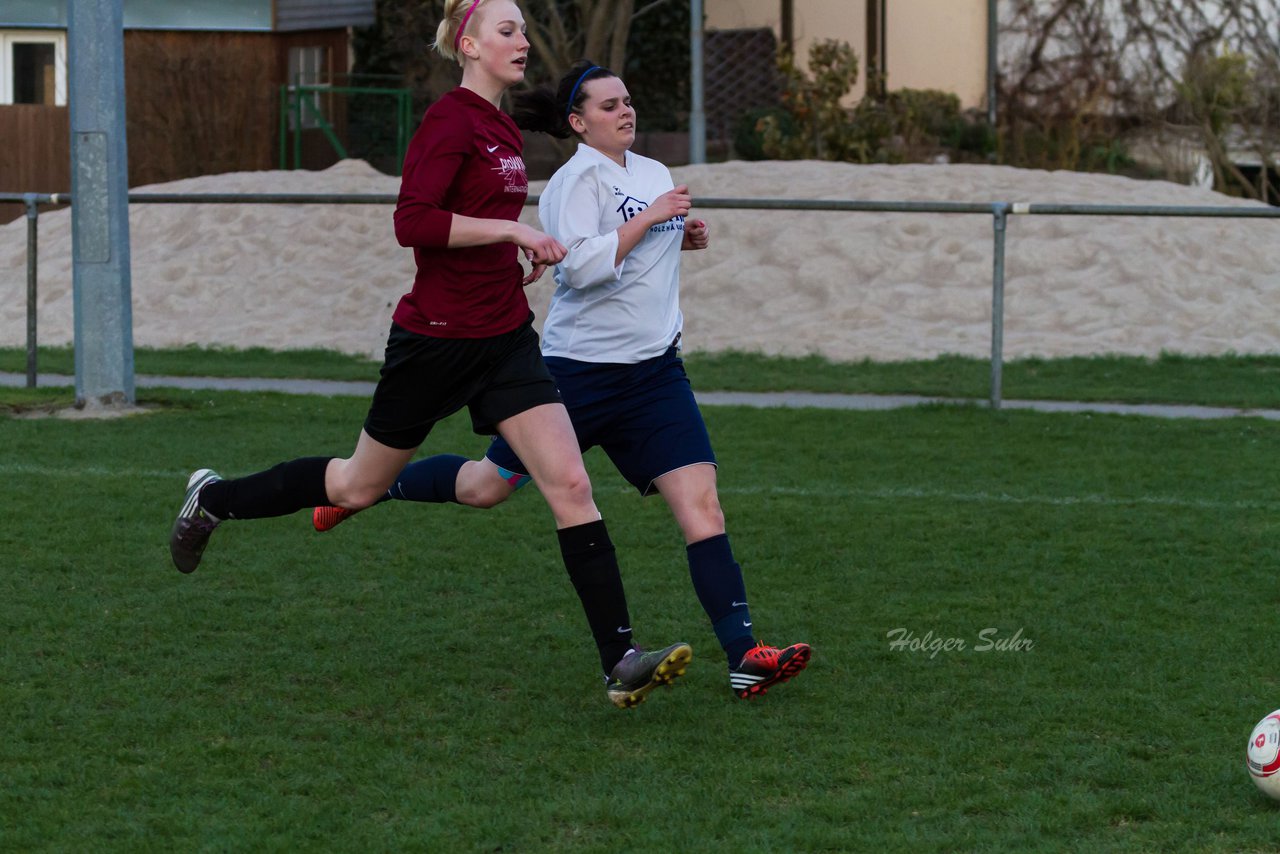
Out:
{"x": 422, "y": 677}
{"x": 1248, "y": 381}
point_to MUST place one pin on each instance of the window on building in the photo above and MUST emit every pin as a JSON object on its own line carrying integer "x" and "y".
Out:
{"x": 33, "y": 68}
{"x": 306, "y": 69}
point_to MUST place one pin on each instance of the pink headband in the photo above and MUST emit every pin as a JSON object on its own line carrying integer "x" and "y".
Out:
{"x": 457, "y": 40}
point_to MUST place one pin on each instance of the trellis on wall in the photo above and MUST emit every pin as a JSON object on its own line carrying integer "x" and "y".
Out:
{"x": 741, "y": 75}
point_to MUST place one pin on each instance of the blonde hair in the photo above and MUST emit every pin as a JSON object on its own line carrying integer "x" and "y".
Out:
{"x": 457, "y": 15}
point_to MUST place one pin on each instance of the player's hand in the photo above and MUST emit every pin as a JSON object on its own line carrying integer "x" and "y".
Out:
{"x": 696, "y": 234}
{"x": 672, "y": 203}
{"x": 540, "y": 249}
{"x": 535, "y": 273}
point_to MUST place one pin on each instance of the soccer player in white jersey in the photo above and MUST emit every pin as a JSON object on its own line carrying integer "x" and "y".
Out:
{"x": 611, "y": 341}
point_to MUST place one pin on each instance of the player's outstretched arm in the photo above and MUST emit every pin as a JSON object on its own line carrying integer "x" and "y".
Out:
{"x": 539, "y": 248}
{"x": 671, "y": 204}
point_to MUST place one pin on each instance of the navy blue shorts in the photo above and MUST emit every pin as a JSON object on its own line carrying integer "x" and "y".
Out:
{"x": 644, "y": 416}
{"x": 426, "y": 379}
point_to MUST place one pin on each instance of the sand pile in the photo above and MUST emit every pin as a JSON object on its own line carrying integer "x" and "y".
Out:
{"x": 844, "y": 285}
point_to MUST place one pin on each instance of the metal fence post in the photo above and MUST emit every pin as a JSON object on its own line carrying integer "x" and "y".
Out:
{"x": 295, "y": 110}
{"x": 1000, "y": 214}
{"x": 697, "y": 109}
{"x": 284, "y": 127}
{"x": 29, "y": 199}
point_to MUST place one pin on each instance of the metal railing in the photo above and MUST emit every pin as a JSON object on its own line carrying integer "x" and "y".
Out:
{"x": 998, "y": 211}
{"x": 298, "y": 106}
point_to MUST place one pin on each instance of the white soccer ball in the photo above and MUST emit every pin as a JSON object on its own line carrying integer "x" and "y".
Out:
{"x": 1262, "y": 756}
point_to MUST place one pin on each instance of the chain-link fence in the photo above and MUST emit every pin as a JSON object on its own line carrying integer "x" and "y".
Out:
{"x": 741, "y": 79}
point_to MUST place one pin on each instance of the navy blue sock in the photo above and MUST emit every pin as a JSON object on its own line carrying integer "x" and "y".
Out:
{"x": 433, "y": 480}
{"x": 717, "y": 579}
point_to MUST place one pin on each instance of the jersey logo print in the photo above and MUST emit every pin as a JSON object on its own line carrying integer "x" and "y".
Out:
{"x": 630, "y": 207}
{"x": 513, "y": 173}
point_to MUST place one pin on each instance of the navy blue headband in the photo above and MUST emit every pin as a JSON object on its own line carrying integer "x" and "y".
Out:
{"x": 574, "y": 93}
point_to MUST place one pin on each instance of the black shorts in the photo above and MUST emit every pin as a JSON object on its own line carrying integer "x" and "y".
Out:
{"x": 424, "y": 380}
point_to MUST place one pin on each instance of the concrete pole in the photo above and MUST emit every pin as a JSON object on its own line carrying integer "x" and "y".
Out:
{"x": 697, "y": 110}
{"x": 102, "y": 297}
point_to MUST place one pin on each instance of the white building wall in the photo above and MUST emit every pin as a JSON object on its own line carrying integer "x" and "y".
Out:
{"x": 929, "y": 44}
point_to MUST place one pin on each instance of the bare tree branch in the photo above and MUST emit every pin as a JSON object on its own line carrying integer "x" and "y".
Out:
{"x": 1184, "y": 73}
{"x": 644, "y": 10}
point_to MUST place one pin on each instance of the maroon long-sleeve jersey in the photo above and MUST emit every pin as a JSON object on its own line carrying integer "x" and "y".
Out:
{"x": 466, "y": 158}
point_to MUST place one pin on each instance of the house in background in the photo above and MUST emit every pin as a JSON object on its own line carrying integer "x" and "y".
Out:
{"x": 203, "y": 85}
{"x": 903, "y": 44}
{"x": 913, "y": 44}
{"x": 203, "y": 78}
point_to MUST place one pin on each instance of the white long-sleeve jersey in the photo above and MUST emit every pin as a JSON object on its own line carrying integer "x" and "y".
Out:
{"x": 601, "y": 312}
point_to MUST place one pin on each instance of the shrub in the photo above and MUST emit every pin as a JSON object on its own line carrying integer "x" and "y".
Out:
{"x": 820, "y": 126}
{"x": 906, "y": 125}
{"x": 748, "y": 133}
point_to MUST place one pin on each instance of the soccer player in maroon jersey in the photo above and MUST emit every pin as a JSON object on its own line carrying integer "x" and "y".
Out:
{"x": 611, "y": 341}
{"x": 462, "y": 337}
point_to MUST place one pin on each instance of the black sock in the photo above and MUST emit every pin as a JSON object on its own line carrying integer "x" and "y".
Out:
{"x": 592, "y": 563}
{"x": 278, "y": 491}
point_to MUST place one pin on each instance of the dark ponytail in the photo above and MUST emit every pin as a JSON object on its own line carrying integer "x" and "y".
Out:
{"x": 537, "y": 110}
{"x": 544, "y": 111}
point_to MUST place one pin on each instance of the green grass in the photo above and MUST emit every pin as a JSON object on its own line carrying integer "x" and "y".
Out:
{"x": 1240, "y": 381}
{"x": 422, "y": 678}
{"x": 211, "y": 361}
{"x": 16, "y": 400}
{"x": 1243, "y": 381}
